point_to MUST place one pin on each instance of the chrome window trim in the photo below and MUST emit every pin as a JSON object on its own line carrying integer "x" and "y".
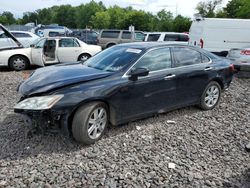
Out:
{"x": 125, "y": 75}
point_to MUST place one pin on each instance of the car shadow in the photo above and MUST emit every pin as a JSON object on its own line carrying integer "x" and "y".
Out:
{"x": 242, "y": 181}
{"x": 16, "y": 144}
{"x": 31, "y": 68}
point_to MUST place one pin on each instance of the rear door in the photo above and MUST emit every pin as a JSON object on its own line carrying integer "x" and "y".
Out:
{"x": 68, "y": 50}
{"x": 192, "y": 71}
{"x": 126, "y": 37}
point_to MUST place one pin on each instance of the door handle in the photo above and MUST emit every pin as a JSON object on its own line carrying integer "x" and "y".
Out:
{"x": 170, "y": 76}
{"x": 208, "y": 68}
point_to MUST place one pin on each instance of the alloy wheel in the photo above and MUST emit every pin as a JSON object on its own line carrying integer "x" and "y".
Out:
{"x": 212, "y": 96}
{"x": 97, "y": 123}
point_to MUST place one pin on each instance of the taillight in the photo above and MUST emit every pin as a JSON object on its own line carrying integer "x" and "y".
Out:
{"x": 232, "y": 68}
{"x": 245, "y": 52}
{"x": 202, "y": 43}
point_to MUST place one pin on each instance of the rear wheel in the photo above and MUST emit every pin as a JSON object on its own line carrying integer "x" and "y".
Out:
{"x": 18, "y": 63}
{"x": 90, "y": 122}
{"x": 211, "y": 96}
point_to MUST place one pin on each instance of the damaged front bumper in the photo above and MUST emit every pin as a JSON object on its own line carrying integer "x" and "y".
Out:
{"x": 45, "y": 120}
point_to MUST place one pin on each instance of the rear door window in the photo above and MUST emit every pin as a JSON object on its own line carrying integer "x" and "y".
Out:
{"x": 184, "y": 56}
{"x": 110, "y": 34}
{"x": 153, "y": 37}
{"x": 126, "y": 35}
{"x": 67, "y": 42}
{"x": 183, "y": 38}
{"x": 171, "y": 37}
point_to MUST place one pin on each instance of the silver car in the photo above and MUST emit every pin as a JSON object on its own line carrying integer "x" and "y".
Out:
{"x": 240, "y": 58}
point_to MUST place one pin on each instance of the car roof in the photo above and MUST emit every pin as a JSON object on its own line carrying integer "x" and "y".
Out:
{"x": 60, "y": 37}
{"x": 149, "y": 45}
{"x": 21, "y": 32}
{"x": 119, "y": 30}
{"x": 166, "y": 33}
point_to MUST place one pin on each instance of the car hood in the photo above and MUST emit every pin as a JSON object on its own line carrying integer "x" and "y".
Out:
{"x": 58, "y": 76}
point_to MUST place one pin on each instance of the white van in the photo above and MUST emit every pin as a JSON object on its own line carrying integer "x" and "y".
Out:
{"x": 219, "y": 35}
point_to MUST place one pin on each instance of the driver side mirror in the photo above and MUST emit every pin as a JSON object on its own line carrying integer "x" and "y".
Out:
{"x": 138, "y": 72}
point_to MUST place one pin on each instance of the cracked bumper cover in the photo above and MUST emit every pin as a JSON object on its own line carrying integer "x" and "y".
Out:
{"x": 46, "y": 119}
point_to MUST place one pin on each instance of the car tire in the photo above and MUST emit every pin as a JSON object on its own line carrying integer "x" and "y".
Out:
{"x": 84, "y": 57}
{"x": 18, "y": 63}
{"x": 210, "y": 96}
{"x": 90, "y": 122}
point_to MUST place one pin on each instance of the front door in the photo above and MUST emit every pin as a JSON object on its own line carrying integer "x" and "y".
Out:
{"x": 50, "y": 52}
{"x": 153, "y": 93}
{"x": 37, "y": 53}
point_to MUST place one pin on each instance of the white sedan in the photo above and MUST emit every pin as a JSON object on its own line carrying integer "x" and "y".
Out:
{"x": 48, "y": 51}
{"x": 24, "y": 37}
{"x": 240, "y": 58}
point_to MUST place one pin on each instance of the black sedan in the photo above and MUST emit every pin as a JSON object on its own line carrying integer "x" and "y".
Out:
{"x": 121, "y": 84}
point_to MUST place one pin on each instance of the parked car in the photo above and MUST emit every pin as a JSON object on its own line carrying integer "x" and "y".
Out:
{"x": 45, "y": 51}
{"x": 51, "y": 30}
{"x": 167, "y": 36}
{"x": 48, "y": 51}
{"x": 108, "y": 38}
{"x": 123, "y": 83}
{"x": 219, "y": 35}
{"x": 240, "y": 58}
{"x": 87, "y": 36}
{"x": 25, "y": 38}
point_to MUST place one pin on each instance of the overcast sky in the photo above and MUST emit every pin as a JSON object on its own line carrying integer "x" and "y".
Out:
{"x": 183, "y": 7}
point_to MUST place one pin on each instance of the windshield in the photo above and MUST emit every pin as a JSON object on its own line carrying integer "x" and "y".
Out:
{"x": 113, "y": 59}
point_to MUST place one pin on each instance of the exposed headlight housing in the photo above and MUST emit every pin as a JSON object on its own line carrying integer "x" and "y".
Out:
{"x": 38, "y": 103}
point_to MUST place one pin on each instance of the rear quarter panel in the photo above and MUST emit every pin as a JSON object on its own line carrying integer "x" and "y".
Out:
{"x": 224, "y": 71}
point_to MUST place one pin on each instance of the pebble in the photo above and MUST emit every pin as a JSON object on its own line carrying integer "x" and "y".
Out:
{"x": 208, "y": 146}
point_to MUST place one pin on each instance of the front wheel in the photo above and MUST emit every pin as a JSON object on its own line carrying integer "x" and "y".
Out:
{"x": 84, "y": 57}
{"x": 18, "y": 63}
{"x": 90, "y": 122}
{"x": 211, "y": 96}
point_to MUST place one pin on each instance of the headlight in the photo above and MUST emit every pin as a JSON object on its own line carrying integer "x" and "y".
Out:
{"x": 39, "y": 103}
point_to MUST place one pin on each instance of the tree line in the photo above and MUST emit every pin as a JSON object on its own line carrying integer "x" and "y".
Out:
{"x": 97, "y": 15}
{"x": 233, "y": 9}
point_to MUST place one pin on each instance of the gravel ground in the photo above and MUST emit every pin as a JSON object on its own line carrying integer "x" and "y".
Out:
{"x": 183, "y": 148}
